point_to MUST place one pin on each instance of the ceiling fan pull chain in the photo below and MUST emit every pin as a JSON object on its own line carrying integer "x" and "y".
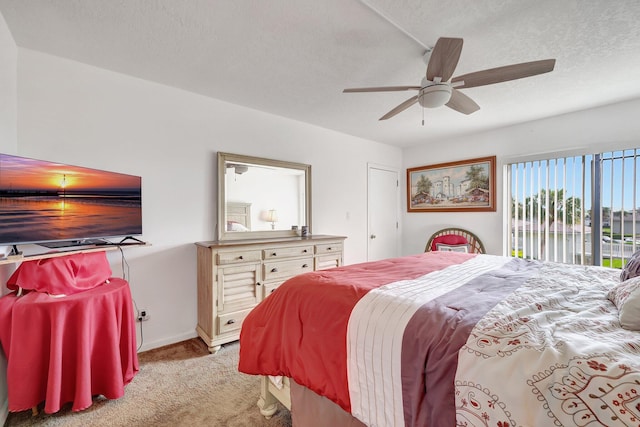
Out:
{"x": 422, "y": 116}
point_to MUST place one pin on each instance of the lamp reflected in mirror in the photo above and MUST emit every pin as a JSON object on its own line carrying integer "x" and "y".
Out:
{"x": 272, "y": 217}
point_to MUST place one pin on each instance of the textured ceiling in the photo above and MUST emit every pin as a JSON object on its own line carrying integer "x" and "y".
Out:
{"x": 293, "y": 57}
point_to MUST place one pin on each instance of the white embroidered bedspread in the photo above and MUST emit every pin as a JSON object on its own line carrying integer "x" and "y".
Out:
{"x": 552, "y": 353}
{"x": 375, "y": 333}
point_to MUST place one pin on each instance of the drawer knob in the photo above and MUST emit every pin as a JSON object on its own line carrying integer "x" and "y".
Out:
{"x": 240, "y": 257}
{"x": 274, "y": 270}
{"x": 231, "y": 321}
{"x": 274, "y": 254}
{"x": 329, "y": 248}
{"x": 304, "y": 251}
{"x": 305, "y": 265}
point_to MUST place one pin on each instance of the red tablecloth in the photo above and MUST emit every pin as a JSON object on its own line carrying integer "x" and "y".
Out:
{"x": 68, "y": 349}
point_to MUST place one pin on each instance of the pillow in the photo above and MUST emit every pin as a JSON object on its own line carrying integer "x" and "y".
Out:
{"x": 448, "y": 239}
{"x": 63, "y": 275}
{"x": 452, "y": 248}
{"x": 235, "y": 226}
{"x": 632, "y": 269}
{"x": 626, "y": 296}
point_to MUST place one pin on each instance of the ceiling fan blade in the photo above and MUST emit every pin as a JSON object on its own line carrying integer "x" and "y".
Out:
{"x": 444, "y": 58}
{"x": 400, "y": 108}
{"x": 462, "y": 103}
{"x": 503, "y": 74}
{"x": 381, "y": 89}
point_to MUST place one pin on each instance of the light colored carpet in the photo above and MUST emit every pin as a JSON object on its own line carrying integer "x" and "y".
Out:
{"x": 178, "y": 385}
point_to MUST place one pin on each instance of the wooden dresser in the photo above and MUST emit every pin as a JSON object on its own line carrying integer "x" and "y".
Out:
{"x": 235, "y": 275}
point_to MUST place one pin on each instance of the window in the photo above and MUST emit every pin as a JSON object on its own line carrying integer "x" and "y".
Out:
{"x": 575, "y": 209}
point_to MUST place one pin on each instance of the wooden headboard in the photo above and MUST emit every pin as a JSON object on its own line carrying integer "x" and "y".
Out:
{"x": 239, "y": 212}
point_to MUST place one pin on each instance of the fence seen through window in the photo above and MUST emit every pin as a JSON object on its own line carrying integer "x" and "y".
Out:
{"x": 577, "y": 209}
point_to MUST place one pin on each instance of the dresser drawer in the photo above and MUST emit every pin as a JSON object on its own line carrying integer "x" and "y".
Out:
{"x": 328, "y": 261}
{"x": 269, "y": 287}
{"x": 286, "y": 269}
{"x": 287, "y": 252}
{"x": 240, "y": 256}
{"x": 327, "y": 248}
{"x": 231, "y": 321}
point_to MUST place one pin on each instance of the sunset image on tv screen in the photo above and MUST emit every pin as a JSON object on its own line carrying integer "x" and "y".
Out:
{"x": 45, "y": 201}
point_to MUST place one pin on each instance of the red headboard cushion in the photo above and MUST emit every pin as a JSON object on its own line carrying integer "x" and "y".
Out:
{"x": 449, "y": 239}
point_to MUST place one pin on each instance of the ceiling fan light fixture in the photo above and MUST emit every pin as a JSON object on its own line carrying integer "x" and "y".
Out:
{"x": 435, "y": 96}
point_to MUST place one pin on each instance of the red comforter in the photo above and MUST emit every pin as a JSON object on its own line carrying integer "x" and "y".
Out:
{"x": 300, "y": 331}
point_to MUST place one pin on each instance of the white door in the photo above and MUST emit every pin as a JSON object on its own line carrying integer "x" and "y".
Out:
{"x": 383, "y": 207}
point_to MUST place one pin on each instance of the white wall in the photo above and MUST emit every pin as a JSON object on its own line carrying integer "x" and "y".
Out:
{"x": 77, "y": 114}
{"x": 595, "y": 130}
{"x": 8, "y": 69}
{"x": 8, "y": 144}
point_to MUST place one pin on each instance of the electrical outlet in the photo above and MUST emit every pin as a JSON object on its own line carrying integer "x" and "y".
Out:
{"x": 143, "y": 315}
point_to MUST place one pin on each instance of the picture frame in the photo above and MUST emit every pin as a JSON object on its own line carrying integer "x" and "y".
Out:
{"x": 461, "y": 186}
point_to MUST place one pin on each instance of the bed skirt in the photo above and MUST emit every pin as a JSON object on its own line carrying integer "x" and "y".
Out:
{"x": 312, "y": 410}
{"x": 307, "y": 408}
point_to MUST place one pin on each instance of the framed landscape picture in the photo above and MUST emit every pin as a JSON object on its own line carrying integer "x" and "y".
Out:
{"x": 463, "y": 186}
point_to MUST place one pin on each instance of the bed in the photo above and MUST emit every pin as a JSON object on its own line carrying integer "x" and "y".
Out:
{"x": 445, "y": 339}
{"x": 238, "y": 216}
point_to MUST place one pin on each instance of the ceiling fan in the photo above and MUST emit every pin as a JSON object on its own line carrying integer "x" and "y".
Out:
{"x": 436, "y": 90}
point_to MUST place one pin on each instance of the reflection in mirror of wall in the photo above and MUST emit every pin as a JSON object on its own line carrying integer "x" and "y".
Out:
{"x": 261, "y": 197}
{"x": 274, "y": 194}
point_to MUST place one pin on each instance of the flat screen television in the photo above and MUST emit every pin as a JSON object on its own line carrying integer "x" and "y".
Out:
{"x": 58, "y": 205}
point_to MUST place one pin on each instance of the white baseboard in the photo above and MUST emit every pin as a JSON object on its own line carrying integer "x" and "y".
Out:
{"x": 166, "y": 341}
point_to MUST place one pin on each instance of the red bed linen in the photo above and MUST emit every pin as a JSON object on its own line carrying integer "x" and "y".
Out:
{"x": 315, "y": 318}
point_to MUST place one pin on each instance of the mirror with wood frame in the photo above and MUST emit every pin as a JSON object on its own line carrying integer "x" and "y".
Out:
{"x": 262, "y": 198}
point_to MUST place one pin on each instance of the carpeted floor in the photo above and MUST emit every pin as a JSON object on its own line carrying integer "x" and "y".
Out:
{"x": 178, "y": 385}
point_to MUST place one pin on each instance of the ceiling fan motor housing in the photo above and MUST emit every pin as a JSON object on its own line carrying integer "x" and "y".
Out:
{"x": 435, "y": 95}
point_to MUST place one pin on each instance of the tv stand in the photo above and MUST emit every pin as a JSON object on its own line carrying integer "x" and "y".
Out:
{"x": 73, "y": 243}
{"x": 123, "y": 242}
{"x": 14, "y": 256}
{"x": 135, "y": 241}
{"x": 66, "y": 250}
